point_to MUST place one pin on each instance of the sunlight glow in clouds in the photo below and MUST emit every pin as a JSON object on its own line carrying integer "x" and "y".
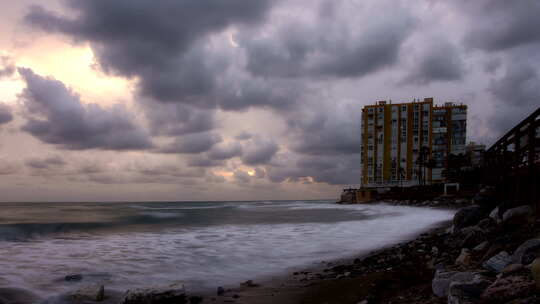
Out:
{"x": 75, "y": 66}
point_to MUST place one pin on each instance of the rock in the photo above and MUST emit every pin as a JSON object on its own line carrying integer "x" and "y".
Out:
{"x": 249, "y": 283}
{"x": 434, "y": 251}
{"x": 173, "y": 294}
{"x": 467, "y": 292}
{"x": 495, "y": 215}
{"x": 481, "y": 247}
{"x": 535, "y": 271}
{"x": 527, "y": 252}
{"x": 517, "y": 216}
{"x": 511, "y": 269}
{"x": 509, "y": 288}
{"x": 195, "y": 300}
{"x": 464, "y": 258}
{"x": 9, "y": 295}
{"x": 89, "y": 293}
{"x": 498, "y": 262}
{"x": 472, "y": 236}
{"x": 484, "y": 199}
{"x": 73, "y": 277}
{"x": 487, "y": 224}
{"x": 220, "y": 291}
{"x": 442, "y": 279}
{"x": 467, "y": 216}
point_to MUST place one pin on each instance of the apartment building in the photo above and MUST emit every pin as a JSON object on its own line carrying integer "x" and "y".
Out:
{"x": 408, "y": 143}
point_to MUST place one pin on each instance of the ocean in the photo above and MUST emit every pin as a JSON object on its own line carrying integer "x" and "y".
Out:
{"x": 202, "y": 244}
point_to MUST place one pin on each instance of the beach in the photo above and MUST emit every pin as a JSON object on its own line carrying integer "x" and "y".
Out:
{"x": 202, "y": 246}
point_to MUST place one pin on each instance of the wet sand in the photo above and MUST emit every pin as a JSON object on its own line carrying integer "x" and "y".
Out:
{"x": 398, "y": 274}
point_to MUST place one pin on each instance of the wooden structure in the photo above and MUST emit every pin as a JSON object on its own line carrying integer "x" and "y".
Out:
{"x": 512, "y": 164}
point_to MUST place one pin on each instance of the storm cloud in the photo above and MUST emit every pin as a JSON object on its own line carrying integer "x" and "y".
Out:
{"x": 440, "y": 61}
{"x": 326, "y": 48}
{"x": 5, "y": 114}
{"x": 498, "y": 25}
{"x": 57, "y": 116}
{"x": 193, "y": 143}
{"x": 46, "y": 163}
{"x": 259, "y": 151}
{"x": 155, "y": 42}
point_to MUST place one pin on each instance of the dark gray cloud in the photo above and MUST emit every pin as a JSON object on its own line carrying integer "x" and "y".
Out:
{"x": 177, "y": 119}
{"x": 260, "y": 173}
{"x": 193, "y": 143}
{"x": 157, "y": 42}
{"x": 492, "y": 65}
{"x": 204, "y": 162}
{"x": 259, "y": 151}
{"x": 224, "y": 152}
{"x": 497, "y": 25}
{"x": 5, "y": 114}
{"x": 57, "y": 116}
{"x": 436, "y": 61}
{"x": 329, "y": 48}
{"x": 517, "y": 94}
{"x": 326, "y": 130}
{"x": 334, "y": 170}
{"x": 7, "y": 66}
{"x": 50, "y": 162}
{"x": 520, "y": 85}
{"x": 165, "y": 169}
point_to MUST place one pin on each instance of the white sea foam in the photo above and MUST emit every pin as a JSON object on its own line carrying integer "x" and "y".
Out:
{"x": 204, "y": 257}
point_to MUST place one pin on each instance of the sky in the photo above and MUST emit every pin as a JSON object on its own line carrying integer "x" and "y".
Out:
{"x": 179, "y": 100}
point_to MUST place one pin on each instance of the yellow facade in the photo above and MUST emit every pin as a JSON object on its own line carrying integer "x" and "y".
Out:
{"x": 397, "y": 141}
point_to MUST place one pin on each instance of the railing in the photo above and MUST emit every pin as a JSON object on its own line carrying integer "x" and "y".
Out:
{"x": 512, "y": 163}
{"x": 520, "y": 146}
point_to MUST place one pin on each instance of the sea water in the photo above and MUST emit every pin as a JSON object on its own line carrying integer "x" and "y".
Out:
{"x": 202, "y": 244}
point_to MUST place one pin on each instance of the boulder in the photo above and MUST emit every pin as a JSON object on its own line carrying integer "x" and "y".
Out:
{"x": 498, "y": 262}
{"x": 467, "y": 216}
{"x": 472, "y": 236}
{"x": 517, "y": 216}
{"x": 485, "y": 199}
{"x": 507, "y": 289}
{"x": 495, "y": 215}
{"x": 220, "y": 291}
{"x": 442, "y": 280}
{"x": 512, "y": 269}
{"x": 173, "y": 294}
{"x": 467, "y": 292}
{"x": 73, "y": 277}
{"x": 527, "y": 252}
{"x": 249, "y": 283}
{"x": 535, "y": 271}
{"x": 464, "y": 258}
{"x": 89, "y": 293}
{"x": 481, "y": 247}
{"x": 9, "y": 295}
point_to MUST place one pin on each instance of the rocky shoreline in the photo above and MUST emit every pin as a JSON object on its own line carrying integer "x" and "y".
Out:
{"x": 489, "y": 253}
